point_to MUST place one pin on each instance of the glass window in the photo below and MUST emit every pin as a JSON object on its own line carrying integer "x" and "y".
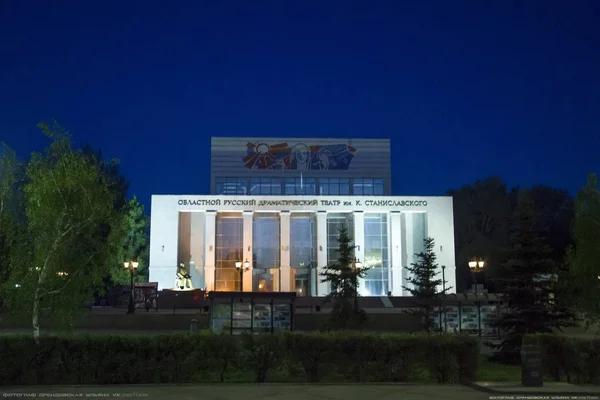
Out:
{"x": 376, "y": 255}
{"x": 378, "y": 187}
{"x": 324, "y": 186}
{"x": 344, "y": 186}
{"x": 265, "y": 186}
{"x": 299, "y": 186}
{"x": 231, "y": 186}
{"x": 336, "y": 221}
{"x": 303, "y": 251}
{"x": 357, "y": 187}
{"x": 368, "y": 186}
{"x": 290, "y": 186}
{"x": 334, "y": 186}
{"x": 255, "y": 186}
{"x": 265, "y": 250}
{"x": 302, "y": 281}
{"x": 310, "y": 186}
{"x": 229, "y": 243}
{"x": 275, "y": 186}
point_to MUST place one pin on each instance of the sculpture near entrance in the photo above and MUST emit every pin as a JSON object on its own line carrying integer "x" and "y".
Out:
{"x": 184, "y": 279}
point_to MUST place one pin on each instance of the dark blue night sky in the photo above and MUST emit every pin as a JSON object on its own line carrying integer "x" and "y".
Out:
{"x": 465, "y": 89}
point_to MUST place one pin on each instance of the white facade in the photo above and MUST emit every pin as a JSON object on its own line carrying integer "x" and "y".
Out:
{"x": 186, "y": 229}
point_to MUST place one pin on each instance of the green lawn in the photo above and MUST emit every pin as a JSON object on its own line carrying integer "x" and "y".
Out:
{"x": 580, "y": 331}
{"x": 494, "y": 372}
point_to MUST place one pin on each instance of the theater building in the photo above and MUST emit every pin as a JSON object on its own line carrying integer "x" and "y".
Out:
{"x": 276, "y": 205}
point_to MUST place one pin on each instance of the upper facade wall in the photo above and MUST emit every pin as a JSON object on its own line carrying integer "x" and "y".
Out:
{"x": 289, "y": 157}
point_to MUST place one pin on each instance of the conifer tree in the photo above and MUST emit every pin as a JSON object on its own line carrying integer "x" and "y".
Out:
{"x": 530, "y": 287}
{"x": 425, "y": 284}
{"x": 343, "y": 277}
{"x": 580, "y": 276}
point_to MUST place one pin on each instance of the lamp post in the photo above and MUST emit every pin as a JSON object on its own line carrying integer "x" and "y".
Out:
{"x": 131, "y": 266}
{"x": 242, "y": 267}
{"x": 475, "y": 267}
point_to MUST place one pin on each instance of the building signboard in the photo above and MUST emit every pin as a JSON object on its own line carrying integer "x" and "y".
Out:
{"x": 325, "y": 203}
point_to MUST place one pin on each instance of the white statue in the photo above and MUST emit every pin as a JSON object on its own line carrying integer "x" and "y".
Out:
{"x": 184, "y": 280}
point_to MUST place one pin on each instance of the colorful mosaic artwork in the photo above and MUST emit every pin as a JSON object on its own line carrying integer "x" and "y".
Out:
{"x": 298, "y": 157}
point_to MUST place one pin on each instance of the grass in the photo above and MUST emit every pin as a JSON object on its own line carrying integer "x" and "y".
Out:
{"x": 581, "y": 332}
{"x": 493, "y": 372}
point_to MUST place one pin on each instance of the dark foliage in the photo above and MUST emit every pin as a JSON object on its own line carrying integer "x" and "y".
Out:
{"x": 530, "y": 287}
{"x": 482, "y": 216}
{"x": 110, "y": 169}
{"x": 574, "y": 360}
{"x": 205, "y": 358}
{"x": 425, "y": 286}
{"x": 344, "y": 280}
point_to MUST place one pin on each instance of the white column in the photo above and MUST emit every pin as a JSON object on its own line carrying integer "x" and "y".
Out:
{"x": 164, "y": 235}
{"x": 183, "y": 239}
{"x": 197, "y": 249}
{"x": 409, "y": 244}
{"x": 284, "y": 266}
{"x": 322, "y": 287}
{"x": 209, "y": 249}
{"x": 247, "y": 251}
{"x": 275, "y": 277}
{"x": 359, "y": 250}
{"x": 396, "y": 250}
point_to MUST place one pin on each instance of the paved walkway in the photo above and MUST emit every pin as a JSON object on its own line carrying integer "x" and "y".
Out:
{"x": 555, "y": 388}
{"x": 254, "y": 392}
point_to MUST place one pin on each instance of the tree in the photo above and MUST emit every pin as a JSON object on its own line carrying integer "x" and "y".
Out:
{"x": 111, "y": 169}
{"x": 424, "y": 284}
{"x": 133, "y": 243}
{"x": 118, "y": 186}
{"x": 554, "y": 213}
{"x": 68, "y": 206}
{"x": 530, "y": 287}
{"x": 343, "y": 277}
{"x": 581, "y": 277}
{"x": 11, "y": 180}
{"x": 481, "y": 216}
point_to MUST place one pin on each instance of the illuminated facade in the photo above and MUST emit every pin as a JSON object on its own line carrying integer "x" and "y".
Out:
{"x": 278, "y": 204}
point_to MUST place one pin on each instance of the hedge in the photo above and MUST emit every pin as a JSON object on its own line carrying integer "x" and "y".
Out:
{"x": 205, "y": 357}
{"x": 576, "y": 360}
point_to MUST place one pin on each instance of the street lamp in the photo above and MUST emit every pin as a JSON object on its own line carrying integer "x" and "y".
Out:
{"x": 475, "y": 267}
{"x": 242, "y": 267}
{"x": 131, "y": 266}
{"x": 357, "y": 264}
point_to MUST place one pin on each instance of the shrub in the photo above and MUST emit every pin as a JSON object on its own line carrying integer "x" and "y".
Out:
{"x": 576, "y": 360}
{"x": 261, "y": 353}
{"x": 206, "y": 357}
{"x": 312, "y": 351}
